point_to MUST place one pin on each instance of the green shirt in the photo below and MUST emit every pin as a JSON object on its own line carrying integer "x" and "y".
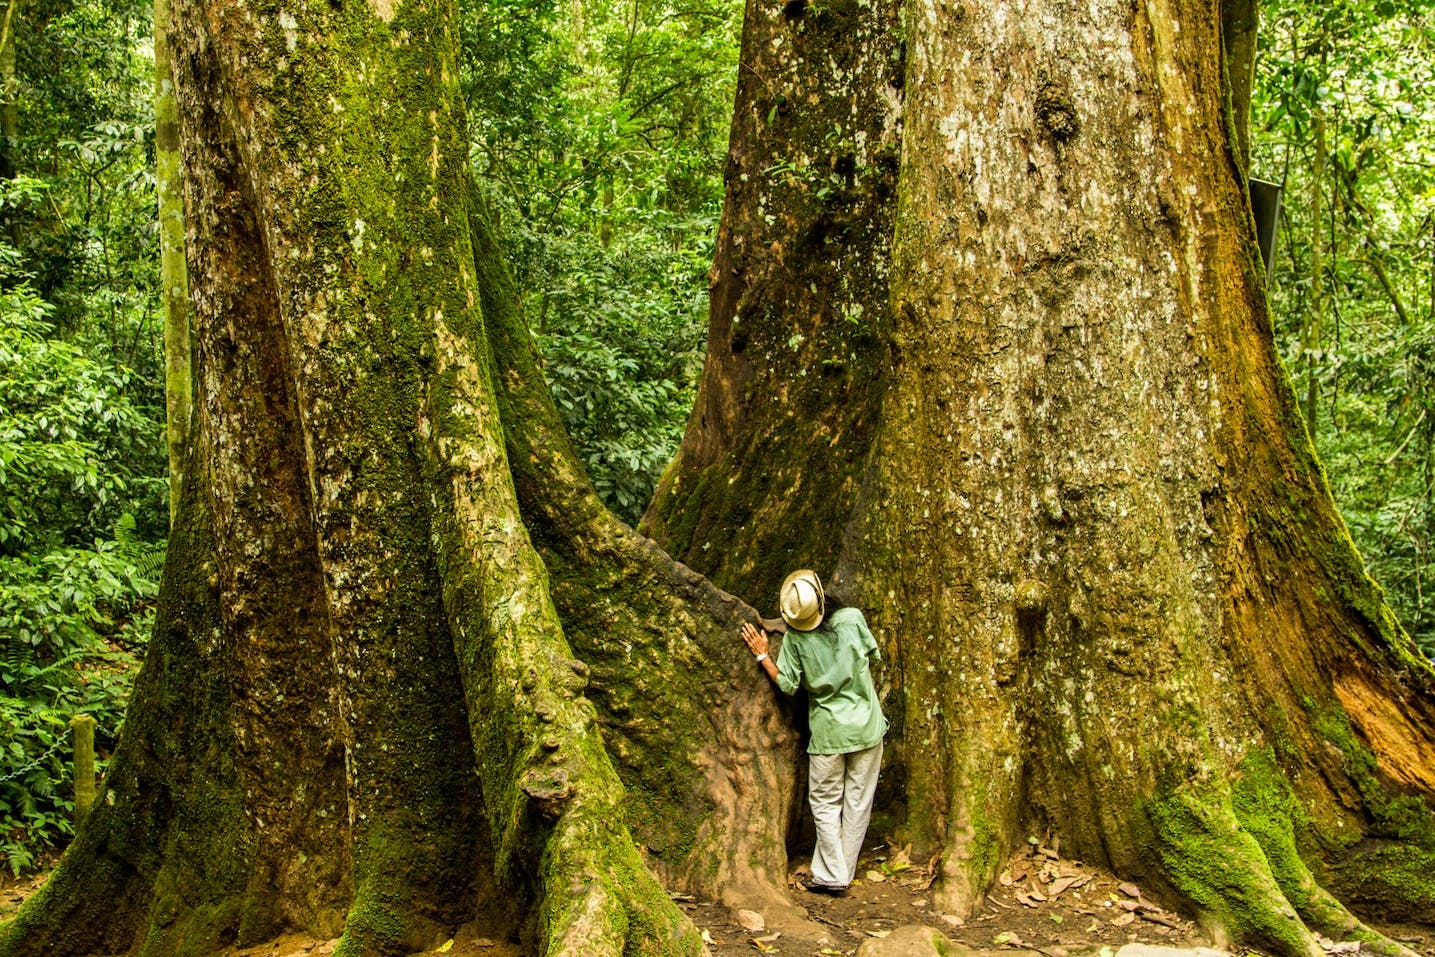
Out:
{"x": 831, "y": 662}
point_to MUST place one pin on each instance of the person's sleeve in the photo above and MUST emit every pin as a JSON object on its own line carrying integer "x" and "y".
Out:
{"x": 789, "y": 667}
{"x": 869, "y": 644}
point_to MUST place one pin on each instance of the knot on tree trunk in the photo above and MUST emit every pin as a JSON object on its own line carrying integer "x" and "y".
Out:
{"x": 1031, "y": 597}
{"x": 1056, "y": 111}
{"x": 549, "y": 790}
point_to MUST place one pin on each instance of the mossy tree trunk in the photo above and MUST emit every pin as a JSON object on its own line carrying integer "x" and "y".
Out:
{"x": 360, "y": 714}
{"x": 9, "y": 92}
{"x": 174, "y": 276}
{"x": 1055, "y": 456}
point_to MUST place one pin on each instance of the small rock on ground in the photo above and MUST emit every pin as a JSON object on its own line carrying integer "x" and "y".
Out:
{"x": 1154, "y": 950}
{"x": 911, "y": 942}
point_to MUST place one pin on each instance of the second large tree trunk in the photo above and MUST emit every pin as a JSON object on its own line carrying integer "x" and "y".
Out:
{"x": 1063, "y": 468}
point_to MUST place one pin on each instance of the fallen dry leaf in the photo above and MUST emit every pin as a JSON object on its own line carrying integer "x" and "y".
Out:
{"x": 1130, "y": 890}
{"x": 876, "y": 877}
{"x": 1123, "y": 920}
{"x": 879, "y": 934}
{"x": 952, "y": 919}
{"x": 1061, "y": 884}
{"x": 752, "y": 921}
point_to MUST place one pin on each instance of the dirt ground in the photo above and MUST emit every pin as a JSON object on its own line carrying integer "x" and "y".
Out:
{"x": 1043, "y": 903}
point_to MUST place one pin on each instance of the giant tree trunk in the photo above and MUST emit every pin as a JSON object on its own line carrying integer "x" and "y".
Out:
{"x": 174, "y": 278}
{"x": 359, "y": 713}
{"x": 1058, "y": 461}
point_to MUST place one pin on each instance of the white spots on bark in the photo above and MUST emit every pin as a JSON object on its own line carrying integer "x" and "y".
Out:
{"x": 435, "y": 155}
{"x": 290, "y": 27}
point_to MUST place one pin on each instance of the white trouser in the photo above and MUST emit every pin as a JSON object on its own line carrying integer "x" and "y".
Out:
{"x": 840, "y": 788}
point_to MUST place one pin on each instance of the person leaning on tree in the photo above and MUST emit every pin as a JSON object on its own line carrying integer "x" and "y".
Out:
{"x": 830, "y": 656}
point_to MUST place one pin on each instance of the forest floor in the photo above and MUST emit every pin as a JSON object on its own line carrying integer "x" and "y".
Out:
{"x": 1044, "y": 906}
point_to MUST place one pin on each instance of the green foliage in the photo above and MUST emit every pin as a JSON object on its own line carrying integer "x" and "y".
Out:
{"x": 83, "y": 499}
{"x": 76, "y": 575}
{"x": 1343, "y": 119}
{"x": 601, "y": 136}
{"x": 76, "y": 453}
{"x": 622, "y": 366}
{"x": 82, "y": 94}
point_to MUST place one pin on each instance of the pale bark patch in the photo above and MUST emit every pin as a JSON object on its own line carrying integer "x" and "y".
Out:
{"x": 383, "y": 9}
{"x": 1405, "y": 756}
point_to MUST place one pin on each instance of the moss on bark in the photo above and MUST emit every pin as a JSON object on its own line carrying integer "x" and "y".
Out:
{"x": 1088, "y": 522}
{"x": 160, "y": 865}
{"x": 705, "y": 750}
{"x": 1103, "y": 559}
{"x": 797, "y": 351}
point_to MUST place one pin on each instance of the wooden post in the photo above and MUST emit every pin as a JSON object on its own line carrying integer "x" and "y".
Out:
{"x": 84, "y": 727}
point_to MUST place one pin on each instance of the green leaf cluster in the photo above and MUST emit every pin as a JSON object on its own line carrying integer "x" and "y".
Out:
{"x": 599, "y": 130}
{"x": 1342, "y": 118}
{"x": 83, "y": 489}
{"x": 77, "y": 577}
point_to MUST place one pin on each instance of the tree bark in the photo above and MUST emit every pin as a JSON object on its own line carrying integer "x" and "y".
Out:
{"x": 388, "y": 733}
{"x": 9, "y": 96}
{"x": 1084, "y": 513}
{"x": 174, "y": 276}
{"x": 1240, "y": 32}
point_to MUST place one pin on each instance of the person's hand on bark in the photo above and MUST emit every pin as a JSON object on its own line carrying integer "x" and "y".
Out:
{"x": 756, "y": 639}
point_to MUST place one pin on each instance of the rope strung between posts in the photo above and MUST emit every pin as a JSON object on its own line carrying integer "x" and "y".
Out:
{"x": 27, "y": 768}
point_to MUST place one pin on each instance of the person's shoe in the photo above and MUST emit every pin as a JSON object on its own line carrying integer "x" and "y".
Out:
{"x": 831, "y": 890}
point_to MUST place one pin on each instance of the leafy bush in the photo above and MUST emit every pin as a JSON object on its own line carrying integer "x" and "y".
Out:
{"x": 621, "y": 333}
{"x": 78, "y": 569}
{"x": 83, "y": 498}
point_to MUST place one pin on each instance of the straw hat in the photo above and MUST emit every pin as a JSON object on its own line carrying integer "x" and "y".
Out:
{"x": 801, "y": 600}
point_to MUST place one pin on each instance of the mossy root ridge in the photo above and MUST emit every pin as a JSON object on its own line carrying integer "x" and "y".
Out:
{"x": 168, "y": 839}
{"x": 1235, "y": 853}
{"x": 706, "y": 750}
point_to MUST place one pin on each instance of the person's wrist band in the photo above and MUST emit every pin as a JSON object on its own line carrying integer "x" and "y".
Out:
{"x": 761, "y": 657}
